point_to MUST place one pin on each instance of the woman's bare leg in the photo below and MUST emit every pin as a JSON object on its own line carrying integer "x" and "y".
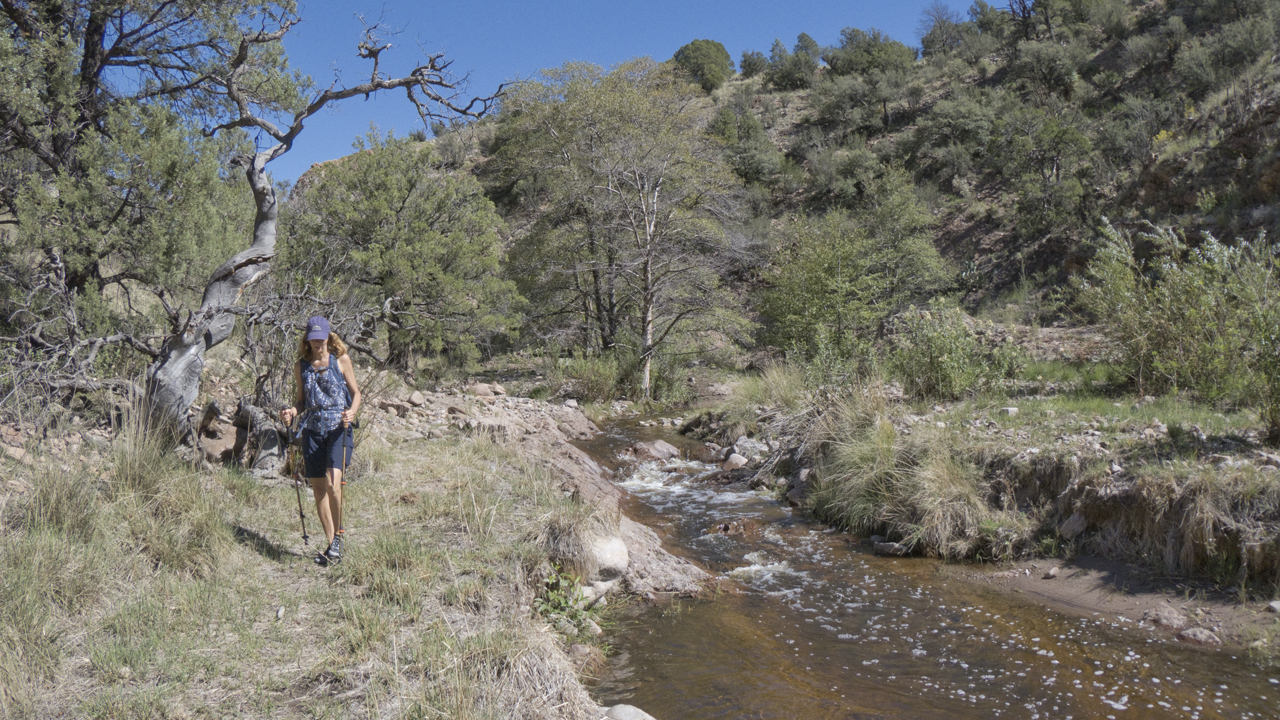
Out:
{"x": 320, "y": 488}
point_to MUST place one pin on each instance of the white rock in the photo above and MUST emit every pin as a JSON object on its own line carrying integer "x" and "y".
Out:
{"x": 611, "y": 556}
{"x": 571, "y": 403}
{"x": 1010, "y": 411}
{"x": 627, "y": 712}
{"x": 416, "y": 399}
{"x": 1274, "y": 606}
{"x": 734, "y": 462}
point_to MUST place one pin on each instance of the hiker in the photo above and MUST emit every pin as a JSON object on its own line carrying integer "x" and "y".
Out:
{"x": 327, "y": 401}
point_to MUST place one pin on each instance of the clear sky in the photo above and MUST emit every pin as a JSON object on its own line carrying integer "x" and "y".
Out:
{"x": 494, "y": 41}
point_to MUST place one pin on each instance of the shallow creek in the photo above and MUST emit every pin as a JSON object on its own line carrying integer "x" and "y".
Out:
{"x": 817, "y": 626}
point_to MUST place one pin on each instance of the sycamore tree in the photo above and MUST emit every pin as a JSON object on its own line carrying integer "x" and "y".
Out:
{"x": 630, "y": 197}
{"x": 421, "y": 244}
{"x": 121, "y": 124}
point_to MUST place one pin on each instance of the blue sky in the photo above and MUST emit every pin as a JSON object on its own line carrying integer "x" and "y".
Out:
{"x": 494, "y": 41}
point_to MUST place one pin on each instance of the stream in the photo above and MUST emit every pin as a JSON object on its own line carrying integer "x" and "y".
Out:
{"x": 817, "y": 626}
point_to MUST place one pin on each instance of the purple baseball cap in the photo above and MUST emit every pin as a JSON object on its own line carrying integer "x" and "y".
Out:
{"x": 317, "y": 328}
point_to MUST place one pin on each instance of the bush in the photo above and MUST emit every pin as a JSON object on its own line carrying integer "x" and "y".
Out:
{"x": 937, "y": 354}
{"x": 753, "y": 63}
{"x": 1204, "y": 319}
{"x": 706, "y": 61}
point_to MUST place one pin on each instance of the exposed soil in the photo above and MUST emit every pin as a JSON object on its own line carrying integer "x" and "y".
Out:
{"x": 1126, "y": 593}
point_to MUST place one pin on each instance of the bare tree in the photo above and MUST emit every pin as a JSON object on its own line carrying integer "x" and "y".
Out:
{"x": 173, "y": 380}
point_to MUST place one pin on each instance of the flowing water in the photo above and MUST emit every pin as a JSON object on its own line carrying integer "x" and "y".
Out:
{"x": 816, "y": 626}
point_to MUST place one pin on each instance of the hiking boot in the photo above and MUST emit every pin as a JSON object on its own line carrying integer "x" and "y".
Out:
{"x": 335, "y": 549}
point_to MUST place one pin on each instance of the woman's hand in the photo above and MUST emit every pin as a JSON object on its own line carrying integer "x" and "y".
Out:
{"x": 348, "y": 416}
{"x": 287, "y": 415}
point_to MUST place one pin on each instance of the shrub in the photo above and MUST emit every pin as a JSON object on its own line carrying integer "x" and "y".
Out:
{"x": 753, "y": 63}
{"x": 1203, "y": 319}
{"x": 937, "y": 354}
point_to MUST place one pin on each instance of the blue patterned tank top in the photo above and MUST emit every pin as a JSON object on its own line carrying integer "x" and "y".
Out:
{"x": 326, "y": 394}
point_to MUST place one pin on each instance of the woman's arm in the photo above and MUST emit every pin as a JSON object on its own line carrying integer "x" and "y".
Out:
{"x": 349, "y": 374}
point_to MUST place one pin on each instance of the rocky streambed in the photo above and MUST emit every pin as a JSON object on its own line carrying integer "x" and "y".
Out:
{"x": 813, "y": 622}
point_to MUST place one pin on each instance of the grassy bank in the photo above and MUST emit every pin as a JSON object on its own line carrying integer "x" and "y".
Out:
{"x": 143, "y": 588}
{"x": 1182, "y": 488}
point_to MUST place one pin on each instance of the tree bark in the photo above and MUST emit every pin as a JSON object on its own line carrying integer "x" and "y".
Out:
{"x": 173, "y": 380}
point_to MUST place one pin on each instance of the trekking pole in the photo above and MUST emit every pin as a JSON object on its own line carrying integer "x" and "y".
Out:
{"x": 297, "y": 486}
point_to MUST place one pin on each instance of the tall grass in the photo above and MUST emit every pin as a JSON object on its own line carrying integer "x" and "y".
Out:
{"x": 918, "y": 489}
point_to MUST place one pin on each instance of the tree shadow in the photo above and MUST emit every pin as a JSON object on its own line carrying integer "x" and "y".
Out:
{"x": 262, "y": 545}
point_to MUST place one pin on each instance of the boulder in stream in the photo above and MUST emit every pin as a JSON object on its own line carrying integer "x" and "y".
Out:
{"x": 627, "y": 712}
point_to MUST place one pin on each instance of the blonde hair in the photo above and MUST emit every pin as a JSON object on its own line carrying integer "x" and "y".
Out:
{"x": 337, "y": 348}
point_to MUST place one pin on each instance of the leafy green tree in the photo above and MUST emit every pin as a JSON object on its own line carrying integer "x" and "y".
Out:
{"x": 706, "y": 61}
{"x": 793, "y": 70}
{"x": 419, "y": 242}
{"x": 862, "y": 51}
{"x": 1046, "y": 156}
{"x": 753, "y": 63}
{"x": 842, "y": 273}
{"x": 630, "y": 194}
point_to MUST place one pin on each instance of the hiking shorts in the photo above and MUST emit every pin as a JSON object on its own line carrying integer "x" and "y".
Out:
{"x": 322, "y": 451}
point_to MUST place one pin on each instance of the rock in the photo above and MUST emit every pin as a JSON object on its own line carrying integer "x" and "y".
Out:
{"x": 591, "y": 628}
{"x": 481, "y": 390}
{"x": 891, "y": 548}
{"x": 610, "y": 557}
{"x": 497, "y": 389}
{"x": 627, "y": 712}
{"x": 1165, "y": 617}
{"x": 1073, "y": 526}
{"x": 495, "y": 429}
{"x": 455, "y": 410}
{"x": 654, "y": 450}
{"x": 17, "y": 454}
{"x": 1269, "y": 459}
{"x": 877, "y": 539}
{"x": 1274, "y": 606}
{"x": 417, "y": 399}
{"x": 435, "y": 433}
{"x": 1009, "y": 411}
{"x": 1051, "y": 574}
{"x": 571, "y": 403}
{"x": 1199, "y": 636}
{"x": 565, "y": 627}
{"x": 733, "y": 462}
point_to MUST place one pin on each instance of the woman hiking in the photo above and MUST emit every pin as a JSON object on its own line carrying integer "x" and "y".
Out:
{"x": 327, "y": 401}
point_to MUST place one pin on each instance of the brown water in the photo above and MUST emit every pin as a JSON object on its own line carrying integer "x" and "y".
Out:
{"x": 821, "y": 628}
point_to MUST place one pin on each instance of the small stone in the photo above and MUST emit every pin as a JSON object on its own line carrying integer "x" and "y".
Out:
{"x": 1165, "y": 617}
{"x": 1051, "y": 574}
{"x": 498, "y": 389}
{"x": 435, "y": 434}
{"x": 279, "y": 612}
{"x": 941, "y": 425}
{"x": 1116, "y": 468}
{"x": 733, "y": 462}
{"x": 571, "y": 403}
{"x": 890, "y": 548}
{"x": 592, "y": 629}
{"x": 1274, "y": 606}
{"x": 1073, "y": 526}
{"x": 1199, "y": 636}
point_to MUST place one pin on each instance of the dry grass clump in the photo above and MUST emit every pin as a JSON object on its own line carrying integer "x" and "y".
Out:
{"x": 1221, "y": 522}
{"x": 918, "y": 489}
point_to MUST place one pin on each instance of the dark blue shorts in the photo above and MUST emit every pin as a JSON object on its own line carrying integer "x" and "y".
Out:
{"x": 320, "y": 452}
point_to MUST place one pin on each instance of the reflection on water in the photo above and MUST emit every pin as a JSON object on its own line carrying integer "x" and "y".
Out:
{"x": 823, "y": 629}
